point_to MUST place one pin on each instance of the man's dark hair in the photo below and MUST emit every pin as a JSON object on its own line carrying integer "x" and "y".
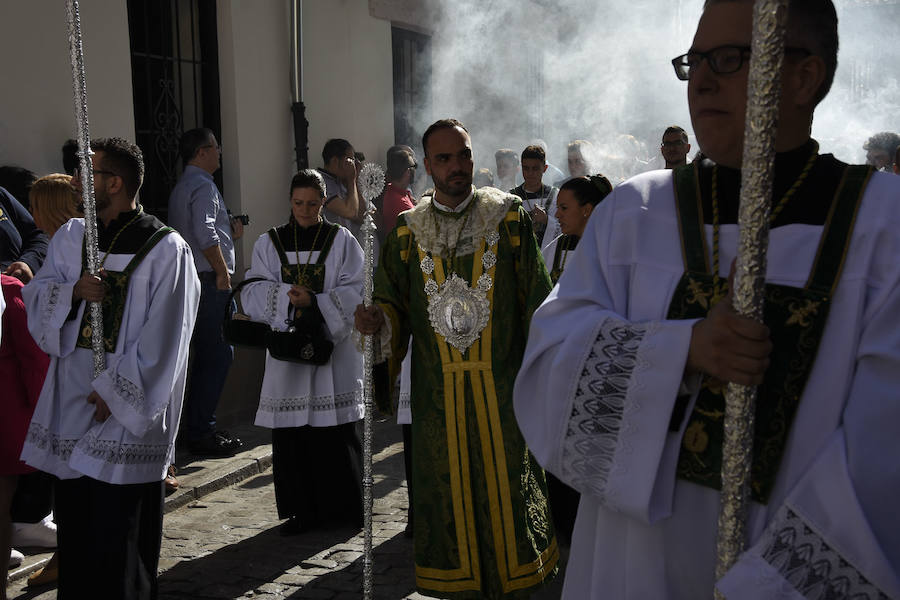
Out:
{"x": 813, "y": 25}
{"x": 897, "y": 157}
{"x": 70, "y": 156}
{"x": 534, "y": 152}
{"x": 886, "y": 141}
{"x": 124, "y": 159}
{"x": 437, "y": 125}
{"x": 17, "y": 181}
{"x": 588, "y": 190}
{"x": 191, "y": 142}
{"x": 308, "y": 178}
{"x": 335, "y": 147}
{"x": 399, "y": 159}
{"x": 676, "y": 129}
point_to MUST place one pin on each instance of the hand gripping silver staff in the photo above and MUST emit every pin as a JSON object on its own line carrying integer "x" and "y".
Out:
{"x": 757, "y": 171}
{"x": 369, "y": 183}
{"x": 79, "y": 87}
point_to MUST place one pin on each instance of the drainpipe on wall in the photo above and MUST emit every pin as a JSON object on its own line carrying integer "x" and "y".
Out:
{"x": 298, "y": 110}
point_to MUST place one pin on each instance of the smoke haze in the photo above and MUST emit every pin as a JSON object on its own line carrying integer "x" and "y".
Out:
{"x": 514, "y": 71}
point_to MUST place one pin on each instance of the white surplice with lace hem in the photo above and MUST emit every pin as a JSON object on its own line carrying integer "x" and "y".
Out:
{"x": 295, "y": 394}
{"x": 600, "y": 377}
{"x": 143, "y": 383}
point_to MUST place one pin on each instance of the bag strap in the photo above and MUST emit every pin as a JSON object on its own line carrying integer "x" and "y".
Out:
{"x": 234, "y": 292}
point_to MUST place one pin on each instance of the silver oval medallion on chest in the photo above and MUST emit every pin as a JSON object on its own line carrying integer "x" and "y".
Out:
{"x": 458, "y": 312}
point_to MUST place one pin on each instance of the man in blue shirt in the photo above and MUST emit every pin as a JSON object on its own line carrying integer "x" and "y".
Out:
{"x": 198, "y": 212}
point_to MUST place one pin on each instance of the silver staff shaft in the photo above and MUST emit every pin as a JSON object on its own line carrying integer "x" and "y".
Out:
{"x": 757, "y": 171}
{"x": 368, "y": 229}
{"x": 79, "y": 87}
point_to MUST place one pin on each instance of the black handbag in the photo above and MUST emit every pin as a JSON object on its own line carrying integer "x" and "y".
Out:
{"x": 305, "y": 341}
{"x": 237, "y": 328}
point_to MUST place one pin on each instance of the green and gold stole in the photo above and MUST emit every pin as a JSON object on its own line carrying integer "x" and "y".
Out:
{"x": 310, "y": 275}
{"x": 796, "y": 318}
{"x": 113, "y": 304}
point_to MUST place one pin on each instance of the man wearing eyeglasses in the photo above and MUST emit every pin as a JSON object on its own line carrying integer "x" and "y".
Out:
{"x": 108, "y": 439}
{"x": 674, "y": 147}
{"x": 197, "y": 210}
{"x": 637, "y": 342}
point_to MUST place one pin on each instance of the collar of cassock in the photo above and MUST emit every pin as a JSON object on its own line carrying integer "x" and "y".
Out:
{"x": 810, "y": 203}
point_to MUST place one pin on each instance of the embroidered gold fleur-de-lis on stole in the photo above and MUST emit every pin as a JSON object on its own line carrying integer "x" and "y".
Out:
{"x": 800, "y": 313}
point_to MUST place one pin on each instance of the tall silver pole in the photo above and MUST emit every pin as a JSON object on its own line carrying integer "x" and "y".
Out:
{"x": 370, "y": 184}
{"x": 757, "y": 171}
{"x": 79, "y": 87}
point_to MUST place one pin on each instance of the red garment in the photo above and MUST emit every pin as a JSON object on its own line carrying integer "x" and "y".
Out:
{"x": 22, "y": 369}
{"x": 396, "y": 200}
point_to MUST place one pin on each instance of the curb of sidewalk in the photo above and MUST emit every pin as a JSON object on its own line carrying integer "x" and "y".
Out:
{"x": 196, "y": 479}
{"x": 203, "y": 477}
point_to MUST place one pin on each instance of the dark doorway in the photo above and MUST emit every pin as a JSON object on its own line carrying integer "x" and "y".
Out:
{"x": 412, "y": 86}
{"x": 175, "y": 81}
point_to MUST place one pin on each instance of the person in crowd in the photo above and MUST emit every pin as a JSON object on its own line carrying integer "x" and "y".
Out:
{"x": 538, "y": 199}
{"x": 401, "y": 171}
{"x": 108, "y": 439}
{"x": 198, "y": 212}
{"x": 53, "y": 202}
{"x": 579, "y": 159}
{"x": 343, "y": 203}
{"x": 553, "y": 173}
{"x": 461, "y": 273}
{"x": 17, "y": 181}
{"x": 507, "y": 162}
{"x": 22, "y": 245}
{"x": 483, "y": 178}
{"x": 880, "y": 149}
{"x": 637, "y": 342}
{"x": 22, "y": 369}
{"x": 574, "y": 204}
{"x": 70, "y": 156}
{"x": 313, "y": 275}
{"x": 674, "y": 146}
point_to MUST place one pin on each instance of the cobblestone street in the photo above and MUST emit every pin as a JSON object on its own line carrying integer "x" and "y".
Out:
{"x": 226, "y": 544}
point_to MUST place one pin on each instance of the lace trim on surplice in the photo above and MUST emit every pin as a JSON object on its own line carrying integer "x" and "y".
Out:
{"x": 595, "y": 424}
{"x": 812, "y": 566}
{"x": 314, "y": 403}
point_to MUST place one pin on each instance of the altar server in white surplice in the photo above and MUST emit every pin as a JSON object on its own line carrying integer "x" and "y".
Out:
{"x": 314, "y": 277}
{"x": 109, "y": 440}
{"x": 621, "y": 390}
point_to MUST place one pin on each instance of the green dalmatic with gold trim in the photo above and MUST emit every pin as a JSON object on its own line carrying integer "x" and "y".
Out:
{"x": 795, "y": 316}
{"x": 482, "y": 521}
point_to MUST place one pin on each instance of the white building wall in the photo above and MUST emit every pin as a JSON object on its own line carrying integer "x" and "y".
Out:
{"x": 257, "y": 131}
{"x": 347, "y": 77}
{"x": 36, "y": 106}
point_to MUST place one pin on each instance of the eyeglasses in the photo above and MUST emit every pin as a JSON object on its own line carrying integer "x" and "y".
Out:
{"x": 722, "y": 60}
{"x": 218, "y": 147}
{"x": 672, "y": 143}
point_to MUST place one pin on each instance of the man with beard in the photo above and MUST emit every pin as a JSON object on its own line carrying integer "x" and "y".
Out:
{"x": 109, "y": 439}
{"x": 621, "y": 390}
{"x": 461, "y": 273}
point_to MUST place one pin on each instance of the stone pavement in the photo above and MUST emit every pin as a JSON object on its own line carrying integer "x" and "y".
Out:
{"x": 220, "y": 535}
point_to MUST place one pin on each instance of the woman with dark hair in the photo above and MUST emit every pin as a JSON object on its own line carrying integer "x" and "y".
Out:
{"x": 313, "y": 272}
{"x": 576, "y": 200}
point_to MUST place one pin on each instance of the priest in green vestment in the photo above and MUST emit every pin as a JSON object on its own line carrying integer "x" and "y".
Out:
{"x": 461, "y": 273}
